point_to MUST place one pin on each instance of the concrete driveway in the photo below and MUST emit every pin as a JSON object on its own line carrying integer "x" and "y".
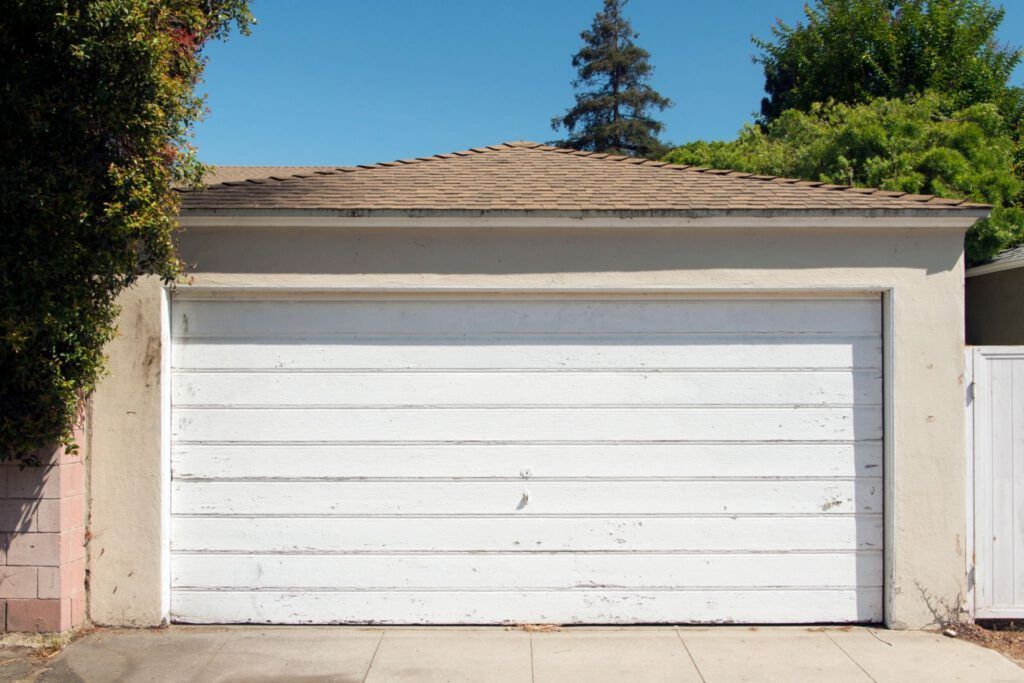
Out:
{"x": 495, "y": 655}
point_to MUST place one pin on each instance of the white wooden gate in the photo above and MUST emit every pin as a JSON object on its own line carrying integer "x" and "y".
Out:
{"x": 996, "y": 414}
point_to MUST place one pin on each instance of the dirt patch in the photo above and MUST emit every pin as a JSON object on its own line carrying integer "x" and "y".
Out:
{"x": 1005, "y": 638}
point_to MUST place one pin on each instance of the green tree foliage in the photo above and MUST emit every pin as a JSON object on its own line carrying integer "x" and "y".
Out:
{"x": 97, "y": 98}
{"x": 614, "y": 99}
{"x": 907, "y": 145}
{"x": 852, "y": 51}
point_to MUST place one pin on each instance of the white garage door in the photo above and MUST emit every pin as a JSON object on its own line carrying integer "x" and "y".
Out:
{"x": 526, "y": 459}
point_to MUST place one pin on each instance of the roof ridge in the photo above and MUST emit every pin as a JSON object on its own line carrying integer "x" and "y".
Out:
{"x": 329, "y": 170}
{"x": 532, "y": 146}
{"x": 271, "y": 165}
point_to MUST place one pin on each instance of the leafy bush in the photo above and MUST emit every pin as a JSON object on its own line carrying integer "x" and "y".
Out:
{"x": 921, "y": 145}
{"x": 97, "y": 98}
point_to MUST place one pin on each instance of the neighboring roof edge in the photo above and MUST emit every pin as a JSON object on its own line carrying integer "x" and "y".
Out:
{"x": 957, "y": 205}
{"x": 1005, "y": 260}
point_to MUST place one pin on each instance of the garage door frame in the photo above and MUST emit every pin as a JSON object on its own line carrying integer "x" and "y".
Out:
{"x": 172, "y": 293}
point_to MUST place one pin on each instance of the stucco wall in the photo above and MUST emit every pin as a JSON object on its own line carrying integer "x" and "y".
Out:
{"x": 995, "y": 308}
{"x": 125, "y": 476}
{"x": 923, "y": 268}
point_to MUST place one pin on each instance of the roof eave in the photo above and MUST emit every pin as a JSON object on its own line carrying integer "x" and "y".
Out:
{"x": 951, "y": 217}
{"x": 996, "y": 266}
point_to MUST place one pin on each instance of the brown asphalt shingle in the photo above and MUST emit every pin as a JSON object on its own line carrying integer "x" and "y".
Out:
{"x": 234, "y": 174}
{"x": 527, "y": 176}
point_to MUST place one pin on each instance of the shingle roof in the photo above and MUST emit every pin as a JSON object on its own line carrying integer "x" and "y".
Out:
{"x": 1007, "y": 259}
{"x": 233, "y": 174}
{"x": 528, "y": 176}
{"x": 1012, "y": 254}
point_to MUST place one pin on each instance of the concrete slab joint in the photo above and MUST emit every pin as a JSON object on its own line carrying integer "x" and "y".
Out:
{"x": 42, "y": 555}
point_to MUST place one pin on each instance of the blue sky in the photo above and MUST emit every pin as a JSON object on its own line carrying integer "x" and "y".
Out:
{"x": 357, "y": 81}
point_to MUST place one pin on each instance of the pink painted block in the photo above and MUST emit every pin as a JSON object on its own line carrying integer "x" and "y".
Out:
{"x": 72, "y": 512}
{"x": 47, "y": 515}
{"x": 21, "y": 515}
{"x": 34, "y": 549}
{"x": 73, "y": 578}
{"x": 39, "y": 616}
{"x": 65, "y": 458}
{"x": 60, "y": 456}
{"x": 49, "y": 582}
{"x": 48, "y": 455}
{"x": 32, "y": 482}
{"x": 18, "y": 582}
{"x": 53, "y": 481}
{"x": 72, "y": 479}
{"x": 72, "y": 545}
{"x": 63, "y": 581}
{"x": 60, "y": 514}
{"x": 65, "y": 614}
{"x": 42, "y": 537}
{"x": 77, "y": 610}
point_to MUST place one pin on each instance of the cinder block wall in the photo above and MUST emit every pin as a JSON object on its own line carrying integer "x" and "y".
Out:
{"x": 42, "y": 553}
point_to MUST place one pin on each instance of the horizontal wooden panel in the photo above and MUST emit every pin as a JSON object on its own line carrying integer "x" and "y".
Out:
{"x": 525, "y": 425}
{"x": 525, "y": 388}
{"x": 283, "y": 461}
{"x": 509, "y": 460}
{"x": 597, "y": 497}
{"x": 225, "y": 318}
{"x": 668, "y": 353}
{"x": 525, "y": 534}
{"x": 520, "y": 571}
{"x": 576, "y": 607}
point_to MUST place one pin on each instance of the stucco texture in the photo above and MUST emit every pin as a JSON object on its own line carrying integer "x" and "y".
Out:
{"x": 921, "y": 268}
{"x": 125, "y": 481}
{"x": 995, "y": 308}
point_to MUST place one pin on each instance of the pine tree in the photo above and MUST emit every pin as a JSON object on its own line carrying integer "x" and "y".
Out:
{"x": 613, "y": 98}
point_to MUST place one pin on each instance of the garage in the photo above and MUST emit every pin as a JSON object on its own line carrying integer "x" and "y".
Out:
{"x": 528, "y": 384}
{"x": 525, "y": 458}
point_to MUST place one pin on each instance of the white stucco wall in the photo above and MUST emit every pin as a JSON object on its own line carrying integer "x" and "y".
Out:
{"x": 921, "y": 267}
{"x": 124, "y": 546}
